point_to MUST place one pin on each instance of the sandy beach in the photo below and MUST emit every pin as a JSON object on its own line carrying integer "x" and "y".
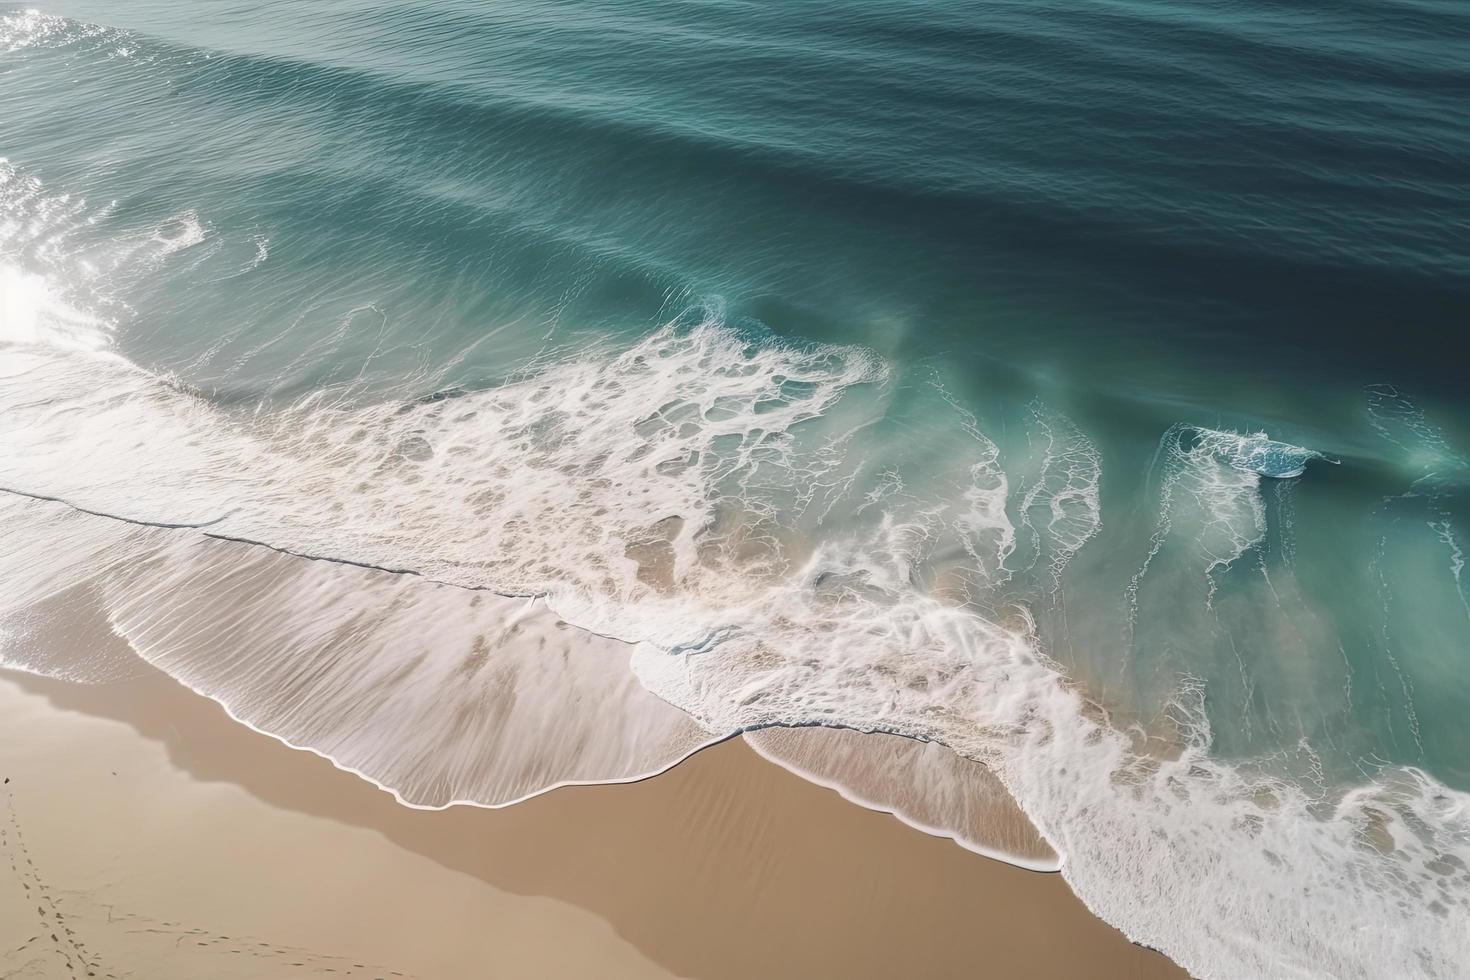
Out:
{"x": 145, "y": 834}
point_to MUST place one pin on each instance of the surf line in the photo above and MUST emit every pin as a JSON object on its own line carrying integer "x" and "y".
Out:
{"x": 203, "y": 527}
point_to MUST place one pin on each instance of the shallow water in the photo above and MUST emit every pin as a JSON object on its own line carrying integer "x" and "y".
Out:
{"x": 1076, "y": 386}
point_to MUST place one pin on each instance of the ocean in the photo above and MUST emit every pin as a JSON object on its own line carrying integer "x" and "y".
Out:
{"x": 491, "y": 396}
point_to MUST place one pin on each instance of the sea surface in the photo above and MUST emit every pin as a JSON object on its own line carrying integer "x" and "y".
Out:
{"x": 494, "y": 395}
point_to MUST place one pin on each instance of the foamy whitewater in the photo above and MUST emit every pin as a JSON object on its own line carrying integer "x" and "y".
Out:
{"x": 619, "y": 546}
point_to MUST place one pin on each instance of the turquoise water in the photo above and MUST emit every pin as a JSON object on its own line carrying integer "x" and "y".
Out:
{"x": 1075, "y": 385}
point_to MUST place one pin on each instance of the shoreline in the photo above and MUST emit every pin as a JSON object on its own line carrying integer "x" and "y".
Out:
{"x": 683, "y": 870}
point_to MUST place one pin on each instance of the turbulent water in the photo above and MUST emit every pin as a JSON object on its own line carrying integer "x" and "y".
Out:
{"x": 495, "y": 396}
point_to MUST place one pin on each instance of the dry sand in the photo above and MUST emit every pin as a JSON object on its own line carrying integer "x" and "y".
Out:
{"x": 146, "y": 835}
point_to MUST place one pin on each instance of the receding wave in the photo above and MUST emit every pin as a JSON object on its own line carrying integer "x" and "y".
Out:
{"x": 438, "y": 693}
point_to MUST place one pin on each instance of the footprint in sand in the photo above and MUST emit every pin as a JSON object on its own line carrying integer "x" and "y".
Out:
{"x": 64, "y": 943}
{"x": 56, "y": 940}
{"x": 294, "y": 957}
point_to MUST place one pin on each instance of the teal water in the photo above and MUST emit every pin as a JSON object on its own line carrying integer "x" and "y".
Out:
{"x": 1075, "y": 385}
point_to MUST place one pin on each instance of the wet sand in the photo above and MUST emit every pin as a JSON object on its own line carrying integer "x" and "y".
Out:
{"x": 145, "y": 834}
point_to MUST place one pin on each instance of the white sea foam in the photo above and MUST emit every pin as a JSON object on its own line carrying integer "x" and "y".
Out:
{"x": 1210, "y": 481}
{"x": 262, "y": 252}
{"x": 696, "y": 495}
{"x": 28, "y": 28}
{"x": 32, "y": 314}
{"x": 1058, "y": 498}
